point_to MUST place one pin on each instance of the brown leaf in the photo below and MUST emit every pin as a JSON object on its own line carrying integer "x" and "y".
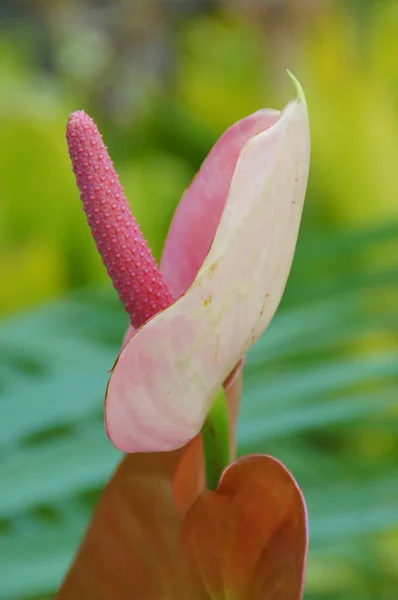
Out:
{"x": 131, "y": 548}
{"x": 248, "y": 539}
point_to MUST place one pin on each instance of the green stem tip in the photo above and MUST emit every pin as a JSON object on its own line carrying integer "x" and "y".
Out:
{"x": 215, "y": 436}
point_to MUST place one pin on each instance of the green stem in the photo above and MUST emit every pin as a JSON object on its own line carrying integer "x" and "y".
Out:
{"x": 215, "y": 436}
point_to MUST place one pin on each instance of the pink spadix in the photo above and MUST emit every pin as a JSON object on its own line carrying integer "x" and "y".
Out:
{"x": 123, "y": 249}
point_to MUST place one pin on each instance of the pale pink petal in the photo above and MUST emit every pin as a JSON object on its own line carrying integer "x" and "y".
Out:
{"x": 166, "y": 375}
{"x": 199, "y": 211}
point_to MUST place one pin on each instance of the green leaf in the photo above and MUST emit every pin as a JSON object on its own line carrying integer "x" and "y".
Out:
{"x": 319, "y": 394}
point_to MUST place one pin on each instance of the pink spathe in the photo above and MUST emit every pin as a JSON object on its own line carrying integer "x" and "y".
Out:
{"x": 167, "y": 373}
{"x": 199, "y": 211}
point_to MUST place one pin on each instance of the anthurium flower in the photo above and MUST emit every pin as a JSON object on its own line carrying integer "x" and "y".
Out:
{"x": 157, "y": 533}
{"x": 225, "y": 264}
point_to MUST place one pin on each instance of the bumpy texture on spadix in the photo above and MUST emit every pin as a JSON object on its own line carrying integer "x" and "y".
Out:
{"x": 123, "y": 249}
{"x": 167, "y": 374}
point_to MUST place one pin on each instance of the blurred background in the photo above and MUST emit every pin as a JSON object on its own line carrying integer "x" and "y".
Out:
{"x": 163, "y": 79}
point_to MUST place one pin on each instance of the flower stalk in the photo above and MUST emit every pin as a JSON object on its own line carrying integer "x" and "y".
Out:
{"x": 215, "y": 436}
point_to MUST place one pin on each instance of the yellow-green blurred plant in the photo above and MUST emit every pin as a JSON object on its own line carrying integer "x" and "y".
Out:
{"x": 223, "y": 71}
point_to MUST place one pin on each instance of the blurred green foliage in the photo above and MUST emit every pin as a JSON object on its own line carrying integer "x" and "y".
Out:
{"x": 163, "y": 80}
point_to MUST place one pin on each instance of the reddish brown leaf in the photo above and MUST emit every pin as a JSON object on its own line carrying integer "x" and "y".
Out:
{"x": 131, "y": 548}
{"x": 248, "y": 539}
